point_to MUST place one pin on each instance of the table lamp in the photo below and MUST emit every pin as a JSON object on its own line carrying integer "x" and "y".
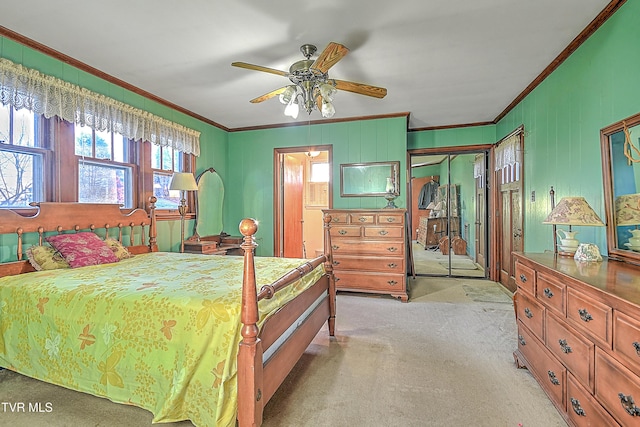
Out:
{"x": 628, "y": 214}
{"x": 571, "y": 211}
{"x": 183, "y": 181}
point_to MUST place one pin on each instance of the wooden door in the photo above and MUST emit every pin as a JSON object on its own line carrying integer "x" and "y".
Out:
{"x": 480, "y": 240}
{"x": 293, "y": 185}
{"x": 509, "y": 217}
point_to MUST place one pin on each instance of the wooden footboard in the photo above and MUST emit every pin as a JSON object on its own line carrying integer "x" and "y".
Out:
{"x": 300, "y": 319}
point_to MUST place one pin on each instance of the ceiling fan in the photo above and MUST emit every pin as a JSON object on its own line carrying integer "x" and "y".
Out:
{"x": 312, "y": 86}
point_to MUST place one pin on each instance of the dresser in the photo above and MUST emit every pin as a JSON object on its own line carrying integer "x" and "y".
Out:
{"x": 369, "y": 250}
{"x": 579, "y": 335}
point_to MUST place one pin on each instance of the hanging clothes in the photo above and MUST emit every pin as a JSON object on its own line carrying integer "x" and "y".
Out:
{"x": 428, "y": 194}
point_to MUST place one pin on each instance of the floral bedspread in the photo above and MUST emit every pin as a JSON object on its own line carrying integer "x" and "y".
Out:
{"x": 159, "y": 330}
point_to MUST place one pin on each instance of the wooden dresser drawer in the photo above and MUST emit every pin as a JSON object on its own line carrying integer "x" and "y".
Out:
{"x": 340, "y": 217}
{"x": 551, "y": 293}
{"x": 391, "y": 219}
{"x": 618, "y": 389}
{"x": 530, "y": 313}
{"x": 346, "y": 231}
{"x": 591, "y": 316}
{"x": 525, "y": 278}
{"x": 361, "y": 218}
{"x": 583, "y": 410}
{"x": 388, "y": 265}
{"x": 548, "y": 371}
{"x": 356, "y": 280}
{"x": 382, "y": 232}
{"x": 626, "y": 341}
{"x": 364, "y": 247}
{"x": 573, "y": 350}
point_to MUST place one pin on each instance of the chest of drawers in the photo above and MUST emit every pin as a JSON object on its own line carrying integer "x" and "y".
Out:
{"x": 369, "y": 250}
{"x": 579, "y": 335}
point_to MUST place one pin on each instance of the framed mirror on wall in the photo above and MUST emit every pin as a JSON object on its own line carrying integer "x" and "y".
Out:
{"x": 620, "y": 145}
{"x": 373, "y": 179}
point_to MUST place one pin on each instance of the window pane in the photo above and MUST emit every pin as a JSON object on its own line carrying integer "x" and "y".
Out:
{"x": 103, "y": 145}
{"x": 155, "y": 157}
{"x": 20, "y": 178}
{"x": 23, "y": 128}
{"x": 5, "y": 137}
{"x": 84, "y": 138}
{"x": 120, "y": 148}
{"x": 167, "y": 158}
{"x": 319, "y": 172}
{"x": 177, "y": 160}
{"x": 166, "y": 199}
{"x": 104, "y": 184}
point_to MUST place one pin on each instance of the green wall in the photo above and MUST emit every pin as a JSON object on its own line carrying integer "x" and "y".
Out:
{"x": 596, "y": 86}
{"x": 249, "y": 186}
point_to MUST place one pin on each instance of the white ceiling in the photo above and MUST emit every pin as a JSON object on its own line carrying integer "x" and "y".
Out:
{"x": 445, "y": 62}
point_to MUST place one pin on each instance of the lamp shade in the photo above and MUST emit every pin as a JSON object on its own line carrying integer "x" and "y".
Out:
{"x": 183, "y": 181}
{"x": 573, "y": 211}
{"x": 628, "y": 209}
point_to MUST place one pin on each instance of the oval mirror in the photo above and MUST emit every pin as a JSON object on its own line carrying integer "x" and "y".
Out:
{"x": 208, "y": 204}
{"x": 621, "y": 176}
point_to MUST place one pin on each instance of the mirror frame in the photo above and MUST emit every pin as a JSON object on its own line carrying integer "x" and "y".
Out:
{"x": 196, "y": 236}
{"x": 614, "y": 252}
{"x": 395, "y": 167}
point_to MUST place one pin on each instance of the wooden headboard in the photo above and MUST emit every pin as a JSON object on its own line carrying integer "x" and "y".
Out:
{"x": 52, "y": 217}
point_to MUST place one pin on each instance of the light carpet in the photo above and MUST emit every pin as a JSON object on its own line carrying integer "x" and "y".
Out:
{"x": 443, "y": 359}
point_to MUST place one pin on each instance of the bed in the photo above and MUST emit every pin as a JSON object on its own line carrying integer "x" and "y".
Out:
{"x": 185, "y": 336}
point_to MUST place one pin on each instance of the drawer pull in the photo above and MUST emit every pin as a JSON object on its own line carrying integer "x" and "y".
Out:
{"x": 336, "y": 262}
{"x": 335, "y": 219}
{"x": 521, "y": 339}
{"x": 523, "y": 278}
{"x": 383, "y": 232}
{"x": 392, "y": 282}
{"x": 564, "y": 346}
{"x": 334, "y": 247}
{"x": 392, "y": 249}
{"x": 392, "y": 265}
{"x": 528, "y": 313}
{"x": 548, "y": 293}
{"x": 362, "y": 219}
{"x": 636, "y": 345}
{"x": 389, "y": 219}
{"x": 584, "y": 314}
{"x": 342, "y": 232}
{"x": 629, "y": 405}
{"x": 337, "y": 279}
{"x": 575, "y": 404}
{"x": 552, "y": 378}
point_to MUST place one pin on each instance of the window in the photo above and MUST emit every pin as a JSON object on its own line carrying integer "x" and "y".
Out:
{"x": 164, "y": 162}
{"x": 21, "y": 158}
{"x": 54, "y": 160}
{"x": 104, "y": 168}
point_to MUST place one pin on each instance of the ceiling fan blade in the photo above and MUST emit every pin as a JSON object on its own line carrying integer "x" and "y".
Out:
{"x": 360, "y": 88}
{"x": 268, "y": 95}
{"x": 260, "y": 68}
{"x": 331, "y": 54}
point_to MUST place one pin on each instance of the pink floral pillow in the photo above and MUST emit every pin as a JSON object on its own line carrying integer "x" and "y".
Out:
{"x": 81, "y": 249}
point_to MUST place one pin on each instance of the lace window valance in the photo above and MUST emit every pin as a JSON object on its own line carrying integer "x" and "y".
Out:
{"x": 508, "y": 152}
{"x": 478, "y": 167}
{"x": 27, "y": 88}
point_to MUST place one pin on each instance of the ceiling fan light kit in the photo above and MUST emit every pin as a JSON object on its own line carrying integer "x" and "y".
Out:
{"x": 312, "y": 88}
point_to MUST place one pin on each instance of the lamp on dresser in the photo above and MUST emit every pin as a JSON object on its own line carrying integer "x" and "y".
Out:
{"x": 628, "y": 214}
{"x": 183, "y": 182}
{"x": 571, "y": 211}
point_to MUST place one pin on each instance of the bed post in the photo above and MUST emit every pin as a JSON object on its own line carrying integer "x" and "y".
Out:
{"x": 250, "y": 403}
{"x": 328, "y": 268}
{"x": 153, "y": 232}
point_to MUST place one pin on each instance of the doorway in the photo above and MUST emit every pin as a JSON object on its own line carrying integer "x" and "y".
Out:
{"x": 449, "y": 211}
{"x": 302, "y": 178}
